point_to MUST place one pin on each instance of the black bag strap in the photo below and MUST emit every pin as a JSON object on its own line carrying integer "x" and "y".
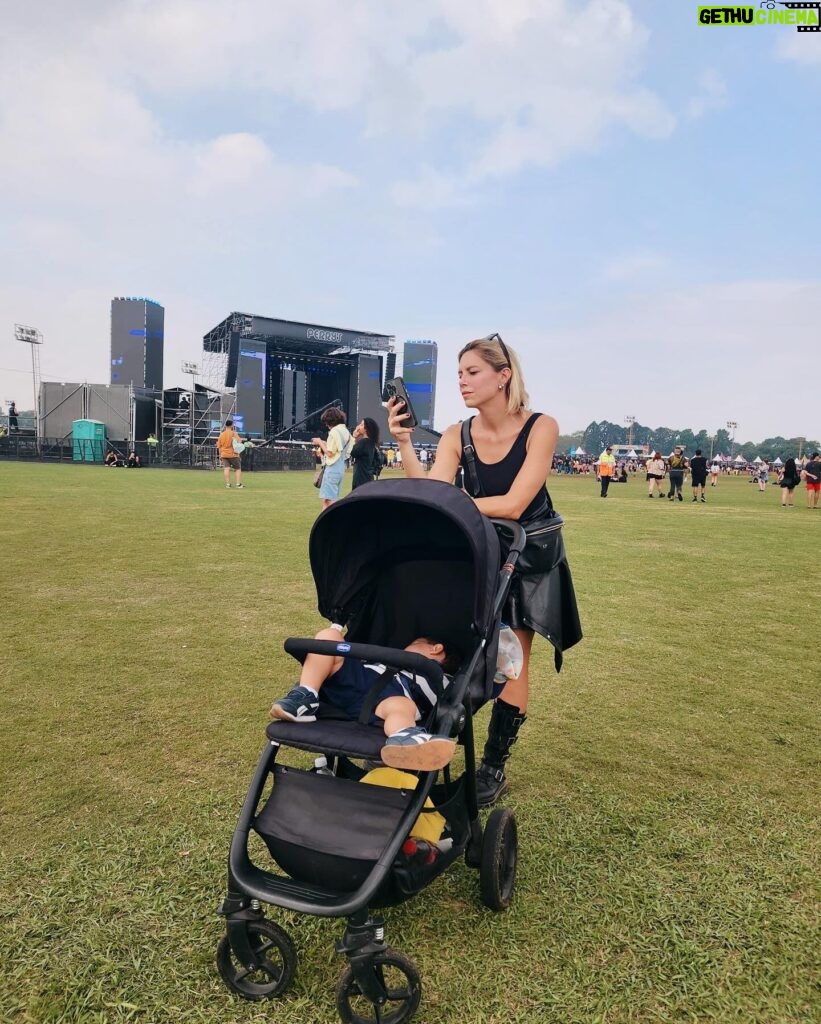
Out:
{"x": 474, "y": 487}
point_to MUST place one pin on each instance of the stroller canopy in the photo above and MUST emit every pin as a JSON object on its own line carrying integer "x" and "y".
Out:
{"x": 400, "y": 559}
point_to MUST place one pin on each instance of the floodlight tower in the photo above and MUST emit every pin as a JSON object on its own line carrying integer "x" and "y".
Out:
{"x": 31, "y": 336}
{"x": 732, "y": 426}
{"x": 629, "y": 420}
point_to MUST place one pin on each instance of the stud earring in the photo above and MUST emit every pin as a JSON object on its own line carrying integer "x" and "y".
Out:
{"x": 501, "y": 386}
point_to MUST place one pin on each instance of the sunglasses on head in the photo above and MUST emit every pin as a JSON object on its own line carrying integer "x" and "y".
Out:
{"x": 502, "y": 346}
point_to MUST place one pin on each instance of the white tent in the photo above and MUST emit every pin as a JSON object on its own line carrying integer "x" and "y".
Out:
{"x": 757, "y": 460}
{"x": 778, "y": 461}
{"x": 580, "y": 451}
{"x": 740, "y": 459}
{"x": 632, "y": 454}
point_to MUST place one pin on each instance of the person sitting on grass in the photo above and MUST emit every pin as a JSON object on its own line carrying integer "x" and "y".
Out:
{"x": 402, "y": 702}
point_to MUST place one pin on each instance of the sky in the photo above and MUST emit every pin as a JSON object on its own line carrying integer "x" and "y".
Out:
{"x": 630, "y": 198}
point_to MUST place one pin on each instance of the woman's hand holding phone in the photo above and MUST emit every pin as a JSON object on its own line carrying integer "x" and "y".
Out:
{"x": 397, "y": 413}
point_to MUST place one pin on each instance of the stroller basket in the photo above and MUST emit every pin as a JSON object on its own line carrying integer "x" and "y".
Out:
{"x": 329, "y": 831}
{"x": 326, "y": 830}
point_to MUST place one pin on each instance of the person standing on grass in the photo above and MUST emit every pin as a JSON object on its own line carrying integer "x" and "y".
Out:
{"x": 607, "y": 467}
{"x": 508, "y": 452}
{"x": 365, "y": 452}
{"x": 655, "y": 475}
{"x": 812, "y": 476}
{"x": 715, "y": 469}
{"x": 763, "y": 476}
{"x": 228, "y": 456}
{"x": 677, "y": 466}
{"x": 698, "y": 475}
{"x": 335, "y": 450}
{"x": 788, "y": 480}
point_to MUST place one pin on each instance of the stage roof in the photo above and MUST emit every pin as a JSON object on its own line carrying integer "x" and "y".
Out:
{"x": 293, "y": 336}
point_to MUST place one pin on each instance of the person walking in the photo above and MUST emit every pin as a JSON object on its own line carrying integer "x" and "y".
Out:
{"x": 365, "y": 457}
{"x": 677, "y": 464}
{"x": 505, "y": 453}
{"x": 763, "y": 476}
{"x": 335, "y": 450}
{"x": 229, "y": 456}
{"x": 812, "y": 477}
{"x": 698, "y": 475}
{"x": 715, "y": 469}
{"x": 606, "y": 466}
{"x": 788, "y": 480}
{"x": 655, "y": 475}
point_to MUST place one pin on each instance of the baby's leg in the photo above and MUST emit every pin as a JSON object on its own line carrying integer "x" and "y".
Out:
{"x": 301, "y": 703}
{"x": 318, "y": 667}
{"x": 408, "y": 745}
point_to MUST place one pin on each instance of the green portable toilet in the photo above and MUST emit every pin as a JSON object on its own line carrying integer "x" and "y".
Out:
{"x": 88, "y": 440}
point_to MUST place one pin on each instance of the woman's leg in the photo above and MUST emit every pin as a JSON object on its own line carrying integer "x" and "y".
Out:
{"x": 506, "y": 719}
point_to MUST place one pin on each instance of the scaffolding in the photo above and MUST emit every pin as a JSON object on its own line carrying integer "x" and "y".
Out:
{"x": 191, "y": 422}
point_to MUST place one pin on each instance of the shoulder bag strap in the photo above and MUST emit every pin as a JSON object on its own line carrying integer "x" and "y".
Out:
{"x": 474, "y": 484}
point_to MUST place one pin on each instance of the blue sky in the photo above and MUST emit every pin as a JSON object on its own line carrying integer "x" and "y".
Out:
{"x": 628, "y": 197}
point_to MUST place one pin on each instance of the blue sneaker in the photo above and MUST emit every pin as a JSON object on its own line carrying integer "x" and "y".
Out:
{"x": 415, "y": 749}
{"x": 298, "y": 705}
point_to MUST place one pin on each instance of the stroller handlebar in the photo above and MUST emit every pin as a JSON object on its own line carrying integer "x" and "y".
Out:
{"x": 390, "y": 656}
{"x": 517, "y": 545}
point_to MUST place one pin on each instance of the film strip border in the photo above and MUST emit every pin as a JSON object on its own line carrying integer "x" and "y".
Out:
{"x": 814, "y": 5}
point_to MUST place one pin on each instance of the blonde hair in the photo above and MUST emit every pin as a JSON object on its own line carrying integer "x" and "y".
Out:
{"x": 491, "y": 352}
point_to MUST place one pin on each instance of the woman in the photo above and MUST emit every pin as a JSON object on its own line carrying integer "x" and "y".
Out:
{"x": 715, "y": 469}
{"x": 763, "y": 476}
{"x": 512, "y": 452}
{"x": 364, "y": 454}
{"x": 788, "y": 480}
{"x": 334, "y": 452}
{"x": 655, "y": 475}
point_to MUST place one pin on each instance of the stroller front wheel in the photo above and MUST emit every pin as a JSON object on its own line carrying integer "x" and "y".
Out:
{"x": 399, "y": 979}
{"x": 497, "y": 871}
{"x": 274, "y": 949}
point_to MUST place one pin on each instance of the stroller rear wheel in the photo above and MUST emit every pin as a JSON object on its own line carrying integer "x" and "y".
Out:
{"x": 398, "y": 977}
{"x": 497, "y": 872}
{"x": 273, "y": 975}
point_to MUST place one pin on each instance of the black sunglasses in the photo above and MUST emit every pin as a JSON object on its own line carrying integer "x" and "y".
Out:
{"x": 502, "y": 346}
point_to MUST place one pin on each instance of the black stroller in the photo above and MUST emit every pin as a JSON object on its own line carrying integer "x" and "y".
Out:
{"x": 393, "y": 561}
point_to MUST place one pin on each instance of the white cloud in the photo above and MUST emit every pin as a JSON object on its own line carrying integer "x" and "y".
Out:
{"x": 801, "y": 47}
{"x": 712, "y": 95}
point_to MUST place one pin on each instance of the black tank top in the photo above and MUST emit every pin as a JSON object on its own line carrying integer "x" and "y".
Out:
{"x": 497, "y": 477}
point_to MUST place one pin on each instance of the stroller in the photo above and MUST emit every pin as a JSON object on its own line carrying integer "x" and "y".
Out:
{"x": 393, "y": 561}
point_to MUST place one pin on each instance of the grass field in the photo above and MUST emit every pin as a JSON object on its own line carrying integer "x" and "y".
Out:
{"x": 666, "y": 783}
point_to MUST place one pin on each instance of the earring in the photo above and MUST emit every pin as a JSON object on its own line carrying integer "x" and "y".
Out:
{"x": 501, "y": 386}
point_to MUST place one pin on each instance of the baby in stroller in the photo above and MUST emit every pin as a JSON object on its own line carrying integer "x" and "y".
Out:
{"x": 400, "y": 702}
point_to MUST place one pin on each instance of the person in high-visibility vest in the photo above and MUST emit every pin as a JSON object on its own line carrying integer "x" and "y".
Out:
{"x": 607, "y": 467}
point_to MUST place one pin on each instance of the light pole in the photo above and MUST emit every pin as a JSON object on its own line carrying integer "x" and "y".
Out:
{"x": 194, "y": 370}
{"x": 732, "y": 426}
{"x": 31, "y": 336}
{"x": 629, "y": 420}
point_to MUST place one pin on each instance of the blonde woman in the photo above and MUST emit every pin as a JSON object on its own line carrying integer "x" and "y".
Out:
{"x": 512, "y": 456}
{"x": 655, "y": 475}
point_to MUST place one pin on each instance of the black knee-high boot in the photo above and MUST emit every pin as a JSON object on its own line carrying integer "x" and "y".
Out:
{"x": 505, "y": 723}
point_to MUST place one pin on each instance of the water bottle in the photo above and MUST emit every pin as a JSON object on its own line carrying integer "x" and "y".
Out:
{"x": 419, "y": 852}
{"x": 321, "y": 766}
{"x": 510, "y": 658}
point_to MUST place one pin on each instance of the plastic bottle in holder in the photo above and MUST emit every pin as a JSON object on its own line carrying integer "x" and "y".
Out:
{"x": 510, "y": 658}
{"x": 419, "y": 852}
{"x": 321, "y": 766}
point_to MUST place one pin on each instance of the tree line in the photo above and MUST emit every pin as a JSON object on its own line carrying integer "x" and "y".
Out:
{"x": 595, "y": 438}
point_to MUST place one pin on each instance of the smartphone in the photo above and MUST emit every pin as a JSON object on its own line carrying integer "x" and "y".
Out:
{"x": 396, "y": 389}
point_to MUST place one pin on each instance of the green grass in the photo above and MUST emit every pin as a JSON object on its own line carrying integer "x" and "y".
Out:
{"x": 666, "y": 783}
